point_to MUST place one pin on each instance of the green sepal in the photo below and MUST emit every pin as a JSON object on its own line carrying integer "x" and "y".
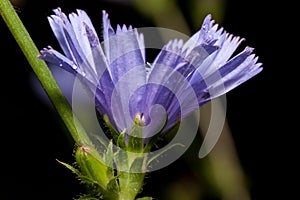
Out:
{"x": 109, "y": 155}
{"x": 121, "y": 140}
{"x": 113, "y": 188}
{"x": 113, "y": 131}
{"x": 121, "y": 160}
{"x": 108, "y": 158}
{"x": 135, "y": 138}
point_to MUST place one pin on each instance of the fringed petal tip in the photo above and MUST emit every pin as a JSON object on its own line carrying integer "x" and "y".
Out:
{"x": 58, "y": 12}
{"x": 207, "y": 19}
{"x": 174, "y": 45}
{"x": 106, "y": 26}
{"x": 104, "y": 14}
{"x": 250, "y": 51}
{"x": 123, "y": 28}
{"x": 52, "y": 56}
{"x": 44, "y": 52}
{"x": 119, "y": 28}
{"x": 212, "y": 32}
{"x": 105, "y": 19}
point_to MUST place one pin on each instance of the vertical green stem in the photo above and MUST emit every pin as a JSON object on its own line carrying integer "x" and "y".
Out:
{"x": 130, "y": 185}
{"x": 41, "y": 70}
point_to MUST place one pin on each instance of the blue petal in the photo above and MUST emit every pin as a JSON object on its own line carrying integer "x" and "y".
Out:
{"x": 128, "y": 87}
{"x": 80, "y": 43}
{"x": 228, "y": 46}
{"x": 210, "y": 34}
{"x": 96, "y": 63}
{"x": 126, "y": 60}
{"x": 238, "y": 70}
{"x": 65, "y": 35}
{"x": 170, "y": 69}
{"x": 54, "y": 57}
{"x": 202, "y": 35}
{"x": 107, "y": 32}
{"x": 125, "y": 54}
{"x": 235, "y": 62}
{"x": 87, "y": 40}
{"x": 234, "y": 72}
{"x": 168, "y": 62}
{"x": 153, "y": 116}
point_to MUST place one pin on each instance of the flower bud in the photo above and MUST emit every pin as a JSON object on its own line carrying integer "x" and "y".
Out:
{"x": 92, "y": 166}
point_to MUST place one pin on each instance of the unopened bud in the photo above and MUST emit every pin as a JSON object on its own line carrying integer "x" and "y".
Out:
{"x": 91, "y": 165}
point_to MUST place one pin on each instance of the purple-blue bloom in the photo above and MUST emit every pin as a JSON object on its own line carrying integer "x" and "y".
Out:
{"x": 125, "y": 86}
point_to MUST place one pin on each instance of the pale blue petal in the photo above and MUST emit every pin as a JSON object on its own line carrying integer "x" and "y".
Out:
{"x": 54, "y": 57}
{"x": 125, "y": 54}
{"x": 66, "y": 37}
{"x": 233, "y": 77}
{"x": 86, "y": 37}
{"x": 95, "y": 60}
{"x": 228, "y": 47}
{"x": 107, "y": 32}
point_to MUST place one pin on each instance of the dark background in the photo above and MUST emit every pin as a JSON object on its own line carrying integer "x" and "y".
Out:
{"x": 261, "y": 113}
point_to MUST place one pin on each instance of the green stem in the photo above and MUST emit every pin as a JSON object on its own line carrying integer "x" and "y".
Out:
{"x": 130, "y": 185}
{"x": 43, "y": 73}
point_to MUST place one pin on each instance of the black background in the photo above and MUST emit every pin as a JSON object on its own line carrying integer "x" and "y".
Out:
{"x": 261, "y": 113}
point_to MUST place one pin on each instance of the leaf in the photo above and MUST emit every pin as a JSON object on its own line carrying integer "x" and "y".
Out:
{"x": 87, "y": 197}
{"x": 74, "y": 170}
{"x": 145, "y": 198}
{"x": 163, "y": 151}
{"x": 82, "y": 177}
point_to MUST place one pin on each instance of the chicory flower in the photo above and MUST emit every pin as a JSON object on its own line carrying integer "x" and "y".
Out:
{"x": 126, "y": 86}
